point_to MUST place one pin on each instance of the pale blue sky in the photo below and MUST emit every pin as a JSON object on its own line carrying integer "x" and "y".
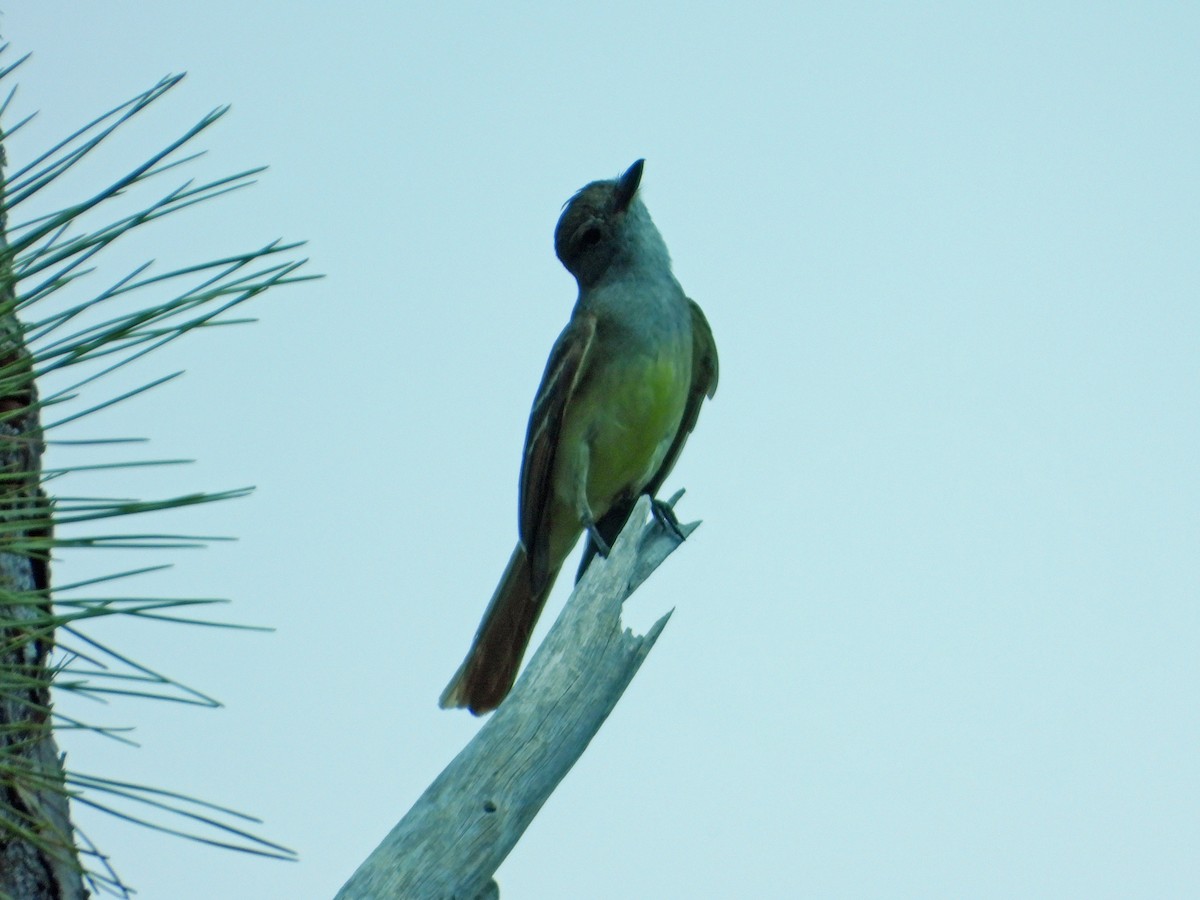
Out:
{"x": 937, "y": 636}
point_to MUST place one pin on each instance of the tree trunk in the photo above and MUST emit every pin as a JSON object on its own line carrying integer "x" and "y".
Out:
{"x": 38, "y": 859}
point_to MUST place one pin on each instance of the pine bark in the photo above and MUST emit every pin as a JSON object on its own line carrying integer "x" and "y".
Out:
{"x": 38, "y": 858}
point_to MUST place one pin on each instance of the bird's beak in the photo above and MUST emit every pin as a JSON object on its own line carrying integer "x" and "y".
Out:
{"x": 627, "y": 185}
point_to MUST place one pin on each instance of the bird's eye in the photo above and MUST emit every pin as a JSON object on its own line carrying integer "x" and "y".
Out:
{"x": 589, "y": 238}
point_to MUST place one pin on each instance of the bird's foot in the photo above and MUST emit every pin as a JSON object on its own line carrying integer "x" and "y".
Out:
{"x": 664, "y": 512}
{"x": 598, "y": 542}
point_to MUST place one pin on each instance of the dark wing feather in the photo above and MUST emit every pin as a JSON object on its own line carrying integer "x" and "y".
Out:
{"x": 541, "y": 441}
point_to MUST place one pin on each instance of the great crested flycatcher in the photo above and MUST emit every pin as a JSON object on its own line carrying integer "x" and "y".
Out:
{"x": 621, "y": 392}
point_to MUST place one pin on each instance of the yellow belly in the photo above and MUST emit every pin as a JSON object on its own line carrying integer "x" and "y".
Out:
{"x": 626, "y": 418}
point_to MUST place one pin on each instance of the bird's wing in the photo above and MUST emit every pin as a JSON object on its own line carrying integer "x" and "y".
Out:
{"x": 561, "y": 378}
{"x": 704, "y": 384}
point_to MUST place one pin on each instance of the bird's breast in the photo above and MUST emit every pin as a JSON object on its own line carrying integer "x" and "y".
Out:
{"x": 629, "y": 413}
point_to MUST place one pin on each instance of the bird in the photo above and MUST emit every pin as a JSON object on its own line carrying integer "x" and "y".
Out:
{"x": 620, "y": 394}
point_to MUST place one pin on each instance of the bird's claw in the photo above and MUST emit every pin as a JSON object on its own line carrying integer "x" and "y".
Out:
{"x": 598, "y": 542}
{"x": 664, "y": 512}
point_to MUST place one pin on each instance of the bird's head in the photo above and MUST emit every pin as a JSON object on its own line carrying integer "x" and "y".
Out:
{"x": 606, "y": 225}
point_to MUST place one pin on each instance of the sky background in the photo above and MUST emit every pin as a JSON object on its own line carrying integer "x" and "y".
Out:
{"x": 937, "y": 636}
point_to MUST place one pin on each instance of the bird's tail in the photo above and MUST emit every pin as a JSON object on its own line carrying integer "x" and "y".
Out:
{"x": 488, "y": 672}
